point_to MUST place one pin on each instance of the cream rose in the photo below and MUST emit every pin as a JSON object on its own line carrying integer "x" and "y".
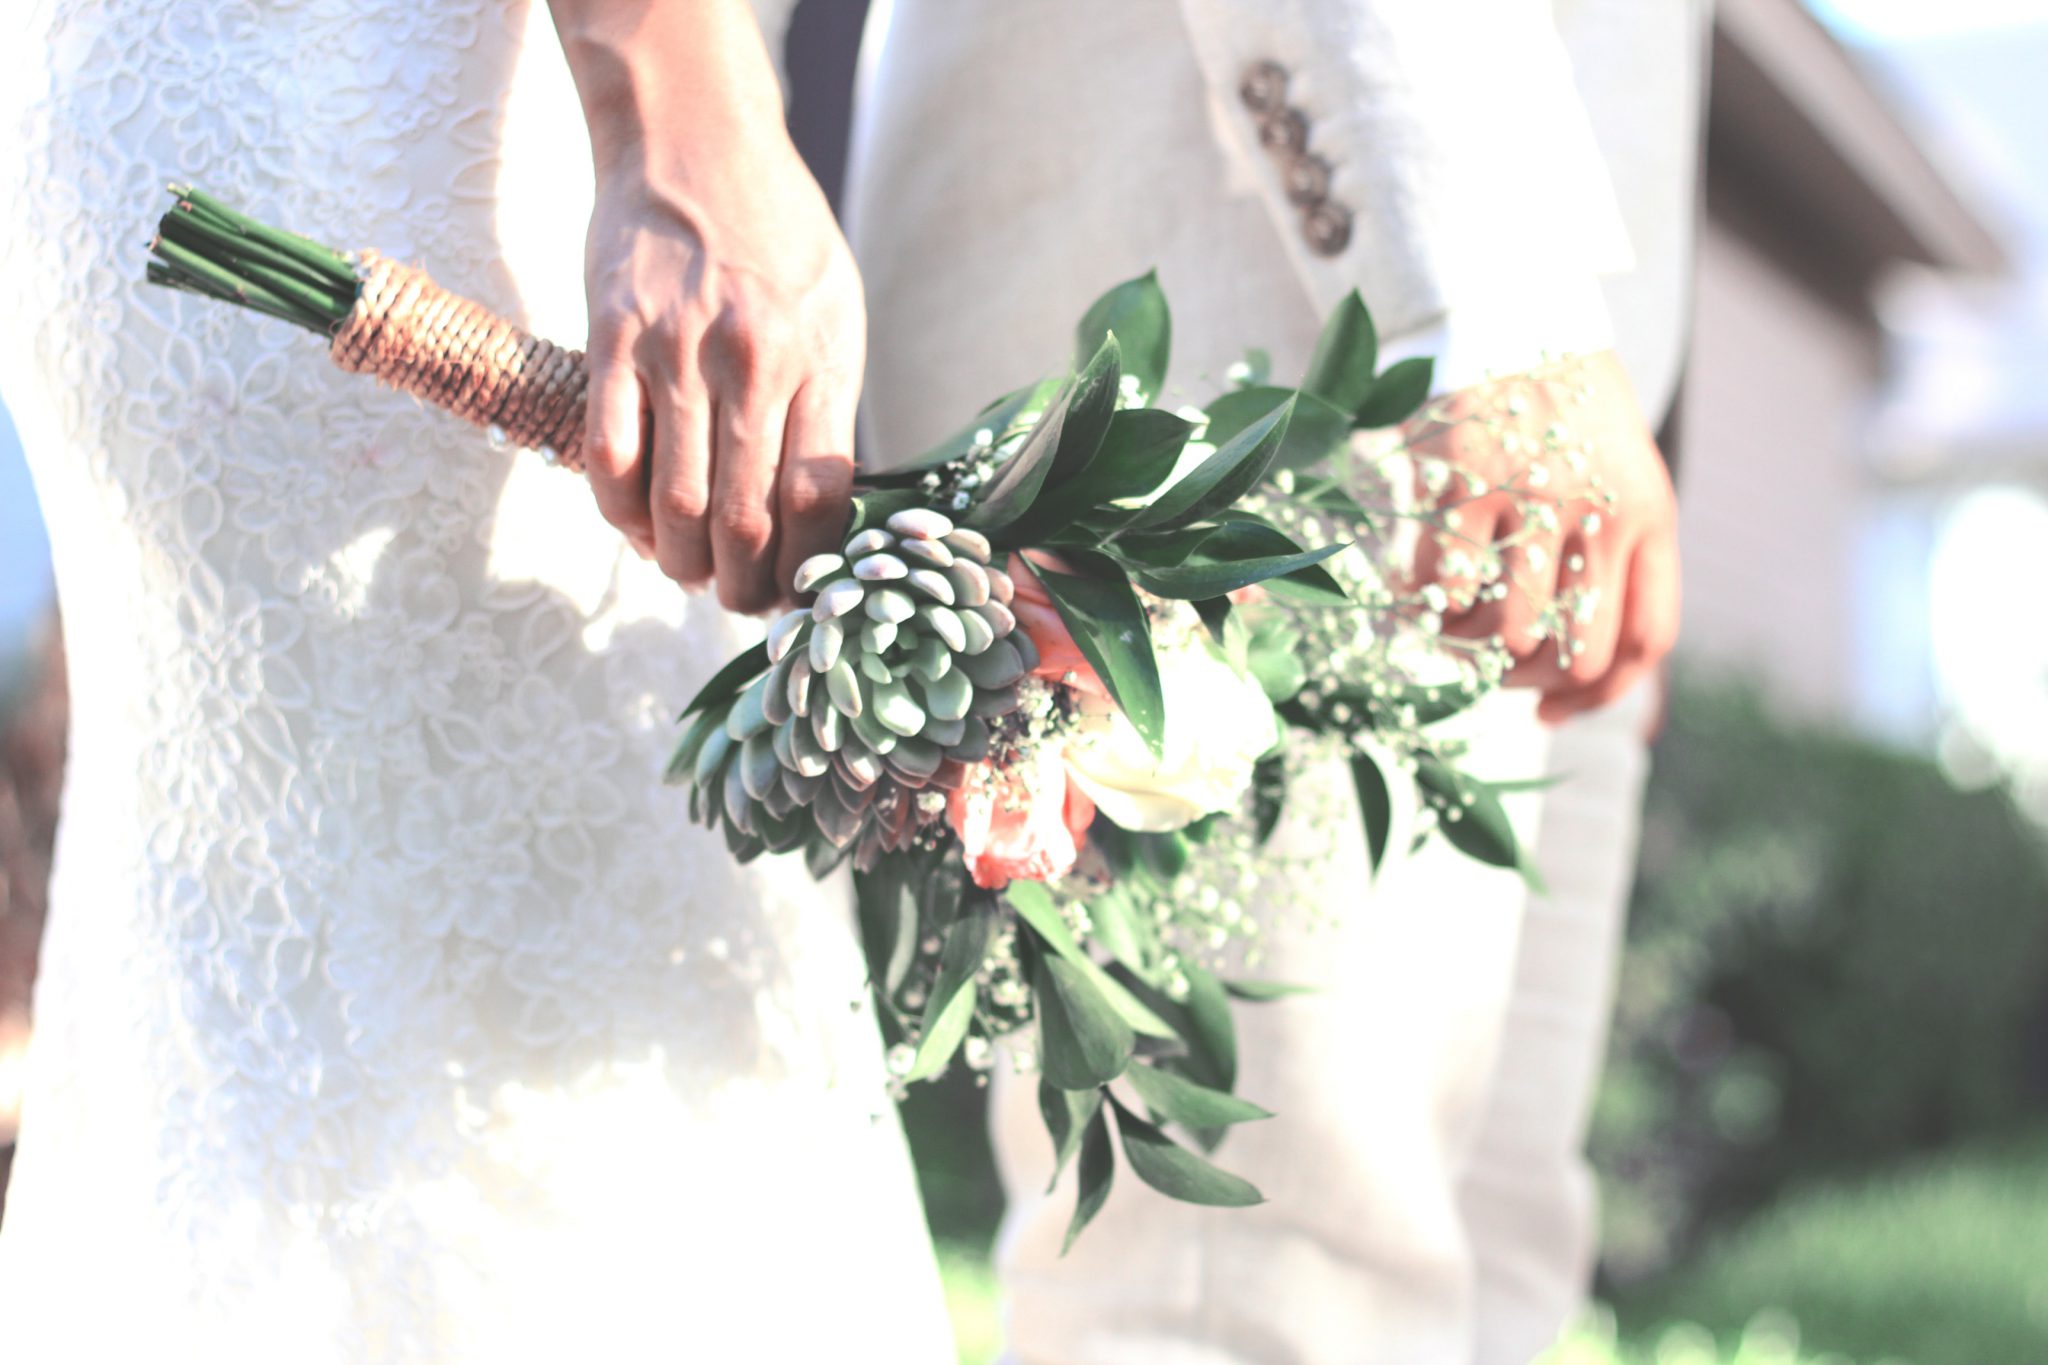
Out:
{"x": 1218, "y": 723}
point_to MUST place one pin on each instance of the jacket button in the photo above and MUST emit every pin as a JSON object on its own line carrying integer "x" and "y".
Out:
{"x": 1283, "y": 132}
{"x": 1307, "y": 178}
{"x": 1264, "y": 87}
{"x": 1327, "y": 226}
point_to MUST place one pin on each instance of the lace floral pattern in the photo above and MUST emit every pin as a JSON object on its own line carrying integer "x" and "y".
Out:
{"x": 366, "y": 865}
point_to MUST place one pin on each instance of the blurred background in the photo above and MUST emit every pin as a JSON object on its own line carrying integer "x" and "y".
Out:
{"x": 1823, "y": 1133}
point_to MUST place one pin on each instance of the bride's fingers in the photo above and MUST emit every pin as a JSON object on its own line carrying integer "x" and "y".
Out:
{"x": 816, "y": 478}
{"x": 613, "y": 445}
{"x": 746, "y": 449}
{"x": 679, "y": 487}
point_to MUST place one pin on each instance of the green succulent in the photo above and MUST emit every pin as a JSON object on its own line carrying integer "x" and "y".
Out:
{"x": 875, "y": 699}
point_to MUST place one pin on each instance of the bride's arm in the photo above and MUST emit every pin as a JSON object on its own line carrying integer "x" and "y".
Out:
{"x": 727, "y": 326}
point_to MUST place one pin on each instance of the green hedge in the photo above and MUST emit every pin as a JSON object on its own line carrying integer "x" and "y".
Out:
{"x": 1942, "y": 1262}
{"x": 1835, "y": 959}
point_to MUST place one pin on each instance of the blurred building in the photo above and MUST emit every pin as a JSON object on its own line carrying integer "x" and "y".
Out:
{"x": 1959, "y": 449}
{"x": 1798, "y": 570}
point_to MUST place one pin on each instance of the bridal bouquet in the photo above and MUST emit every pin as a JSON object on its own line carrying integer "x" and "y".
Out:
{"x": 1048, "y": 696}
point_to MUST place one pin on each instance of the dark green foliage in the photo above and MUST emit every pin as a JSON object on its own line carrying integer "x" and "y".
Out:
{"x": 1938, "y": 1262}
{"x": 1835, "y": 961}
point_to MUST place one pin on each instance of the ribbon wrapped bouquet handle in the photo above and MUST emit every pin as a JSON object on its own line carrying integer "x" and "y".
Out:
{"x": 382, "y": 318}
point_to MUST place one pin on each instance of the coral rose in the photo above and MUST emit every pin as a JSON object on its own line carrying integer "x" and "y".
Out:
{"x": 1025, "y": 821}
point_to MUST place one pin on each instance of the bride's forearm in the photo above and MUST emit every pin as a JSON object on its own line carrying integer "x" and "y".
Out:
{"x": 669, "y": 89}
{"x": 727, "y": 330}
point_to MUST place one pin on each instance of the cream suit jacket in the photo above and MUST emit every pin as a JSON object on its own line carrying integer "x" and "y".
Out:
{"x": 1518, "y": 175}
{"x": 1498, "y": 157}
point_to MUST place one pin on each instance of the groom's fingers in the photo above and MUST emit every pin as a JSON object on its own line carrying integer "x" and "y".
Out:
{"x": 1649, "y": 627}
{"x": 1449, "y": 558}
{"x": 612, "y": 441}
{"x": 816, "y": 478}
{"x": 1600, "y": 574}
{"x": 1516, "y": 600}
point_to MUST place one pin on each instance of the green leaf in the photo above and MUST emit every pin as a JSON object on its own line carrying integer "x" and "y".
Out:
{"x": 1098, "y": 1167}
{"x": 1173, "y": 1170}
{"x": 1130, "y": 938}
{"x": 1269, "y": 795}
{"x": 888, "y": 924}
{"x": 1272, "y": 655}
{"x": 684, "y": 761}
{"x": 1219, "y": 481}
{"x": 1165, "y": 853}
{"x": 1067, "y": 1114}
{"x": 1431, "y": 703}
{"x": 1202, "y": 577}
{"x": 1208, "y": 1007}
{"x": 1082, "y": 1041}
{"x": 875, "y": 506}
{"x": 1397, "y": 393}
{"x": 1209, "y": 1035}
{"x": 1139, "y": 449}
{"x": 1375, "y": 806}
{"x": 1136, "y": 311}
{"x": 1109, "y": 625}
{"x": 1264, "y": 992}
{"x": 995, "y": 419}
{"x": 1527, "y": 784}
{"x": 727, "y": 682}
{"x": 940, "y": 887}
{"x": 1033, "y": 904}
{"x": 1315, "y": 432}
{"x": 1089, "y": 409}
{"x": 1341, "y": 370}
{"x": 951, "y": 1007}
{"x": 1166, "y": 549}
{"x": 1189, "y": 1103}
{"x": 1215, "y": 613}
{"x": 1017, "y": 482}
{"x": 1241, "y": 538}
{"x": 1482, "y": 829}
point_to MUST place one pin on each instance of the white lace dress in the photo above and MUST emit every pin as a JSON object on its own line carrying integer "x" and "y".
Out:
{"x": 390, "y": 1008}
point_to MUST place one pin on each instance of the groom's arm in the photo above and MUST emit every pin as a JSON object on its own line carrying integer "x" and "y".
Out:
{"x": 727, "y": 325}
{"x": 1438, "y": 158}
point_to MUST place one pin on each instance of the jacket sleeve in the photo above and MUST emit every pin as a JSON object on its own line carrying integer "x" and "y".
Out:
{"x": 1433, "y": 154}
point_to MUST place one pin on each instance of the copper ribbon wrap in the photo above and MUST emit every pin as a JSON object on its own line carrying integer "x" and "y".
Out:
{"x": 412, "y": 334}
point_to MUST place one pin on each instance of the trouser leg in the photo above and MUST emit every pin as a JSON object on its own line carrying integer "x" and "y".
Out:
{"x": 1525, "y": 1193}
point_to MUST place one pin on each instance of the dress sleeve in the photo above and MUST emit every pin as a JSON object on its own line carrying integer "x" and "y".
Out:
{"x": 1435, "y": 156}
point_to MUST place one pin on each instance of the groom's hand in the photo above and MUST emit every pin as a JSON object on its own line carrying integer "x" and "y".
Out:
{"x": 1620, "y": 560}
{"x": 727, "y": 324}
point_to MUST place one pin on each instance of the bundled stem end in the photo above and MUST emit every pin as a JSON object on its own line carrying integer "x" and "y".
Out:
{"x": 382, "y": 318}
{"x": 204, "y": 247}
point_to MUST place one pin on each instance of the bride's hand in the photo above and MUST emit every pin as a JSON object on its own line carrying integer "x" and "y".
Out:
{"x": 727, "y": 326}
